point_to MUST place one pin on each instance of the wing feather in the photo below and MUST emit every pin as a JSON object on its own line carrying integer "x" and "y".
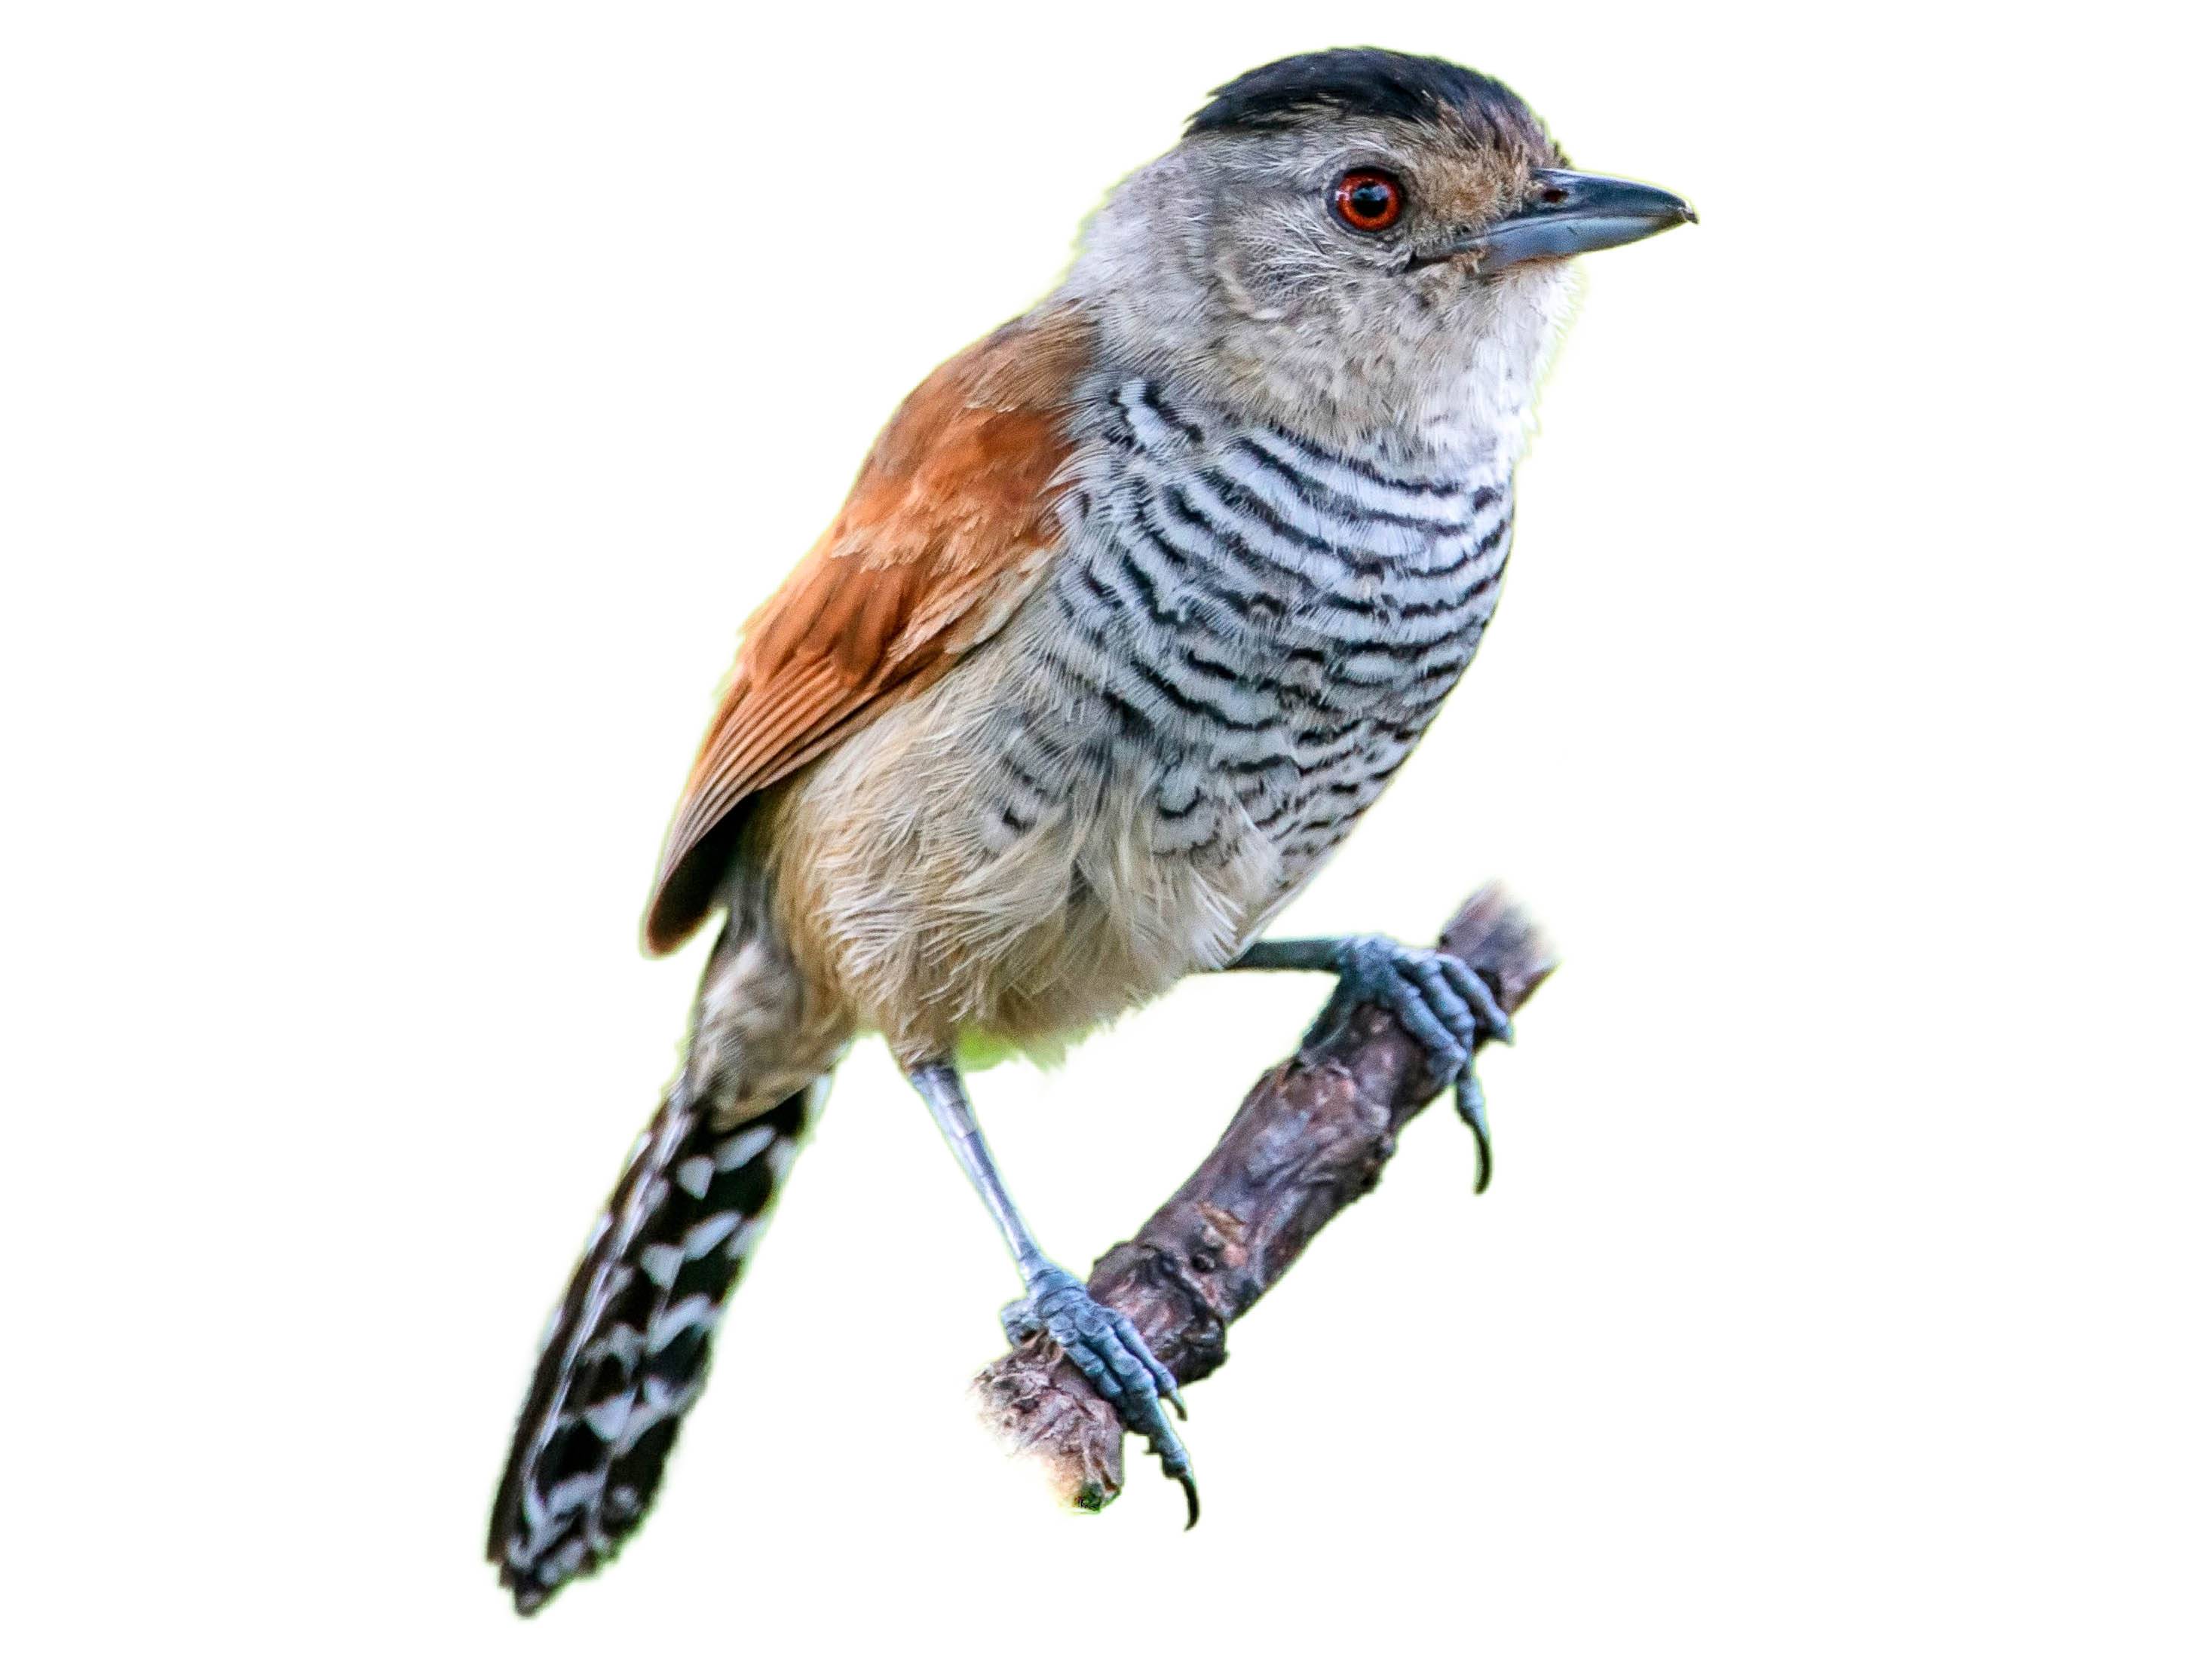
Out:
{"x": 948, "y": 528}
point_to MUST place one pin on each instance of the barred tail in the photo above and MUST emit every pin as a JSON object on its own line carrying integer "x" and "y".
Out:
{"x": 628, "y": 1352}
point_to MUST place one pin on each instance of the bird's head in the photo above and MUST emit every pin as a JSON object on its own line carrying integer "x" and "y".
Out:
{"x": 1357, "y": 239}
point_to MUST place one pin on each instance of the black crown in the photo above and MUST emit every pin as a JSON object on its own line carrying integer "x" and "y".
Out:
{"x": 1366, "y": 81}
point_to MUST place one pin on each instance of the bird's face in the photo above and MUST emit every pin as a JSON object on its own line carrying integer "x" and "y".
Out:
{"x": 1346, "y": 269}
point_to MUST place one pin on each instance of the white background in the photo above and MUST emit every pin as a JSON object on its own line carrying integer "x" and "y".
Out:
{"x": 404, "y": 403}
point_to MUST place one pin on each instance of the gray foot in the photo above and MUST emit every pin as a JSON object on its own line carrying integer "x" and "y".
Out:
{"x": 1443, "y": 1004}
{"x": 1106, "y": 1349}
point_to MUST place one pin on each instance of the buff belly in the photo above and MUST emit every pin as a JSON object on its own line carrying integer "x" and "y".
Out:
{"x": 957, "y": 912}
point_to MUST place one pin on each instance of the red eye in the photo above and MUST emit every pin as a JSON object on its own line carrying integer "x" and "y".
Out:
{"x": 1367, "y": 200}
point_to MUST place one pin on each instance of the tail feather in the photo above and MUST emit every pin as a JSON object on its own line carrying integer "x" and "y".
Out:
{"x": 627, "y": 1354}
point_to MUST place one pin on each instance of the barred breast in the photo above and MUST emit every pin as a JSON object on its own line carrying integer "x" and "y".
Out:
{"x": 1243, "y": 635}
{"x": 1264, "y": 625}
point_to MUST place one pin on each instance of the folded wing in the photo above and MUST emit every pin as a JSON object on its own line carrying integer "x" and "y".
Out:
{"x": 949, "y": 527}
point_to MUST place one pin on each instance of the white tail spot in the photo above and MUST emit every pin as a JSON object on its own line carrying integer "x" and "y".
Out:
{"x": 709, "y": 1233}
{"x": 660, "y": 1262}
{"x": 694, "y": 1174}
{"x": 743, "y": 1149}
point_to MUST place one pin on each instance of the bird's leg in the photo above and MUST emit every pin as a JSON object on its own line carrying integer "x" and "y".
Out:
{"x": 1104, "y": 1345}
{"x": 1443, "y": 1004}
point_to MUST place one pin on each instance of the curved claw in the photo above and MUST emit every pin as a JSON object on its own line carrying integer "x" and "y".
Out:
{"x": 1107, "y": 1348}
{"x": 1444, "y": 1005}
{"x": 1495, "y": 1023}
{"x": 1163, "y": 1378}
{"x": 1467, "y": 1100}
{"x": 1019, "y": 1321}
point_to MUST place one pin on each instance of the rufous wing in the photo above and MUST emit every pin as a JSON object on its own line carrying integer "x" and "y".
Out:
{"x": 949, "y": 525}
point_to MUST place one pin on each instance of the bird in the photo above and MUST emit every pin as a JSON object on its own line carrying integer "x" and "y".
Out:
{"x": 1134, "y": 607}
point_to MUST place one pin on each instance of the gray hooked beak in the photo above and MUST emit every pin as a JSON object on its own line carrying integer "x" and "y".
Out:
{"x": 1569, "y": 213}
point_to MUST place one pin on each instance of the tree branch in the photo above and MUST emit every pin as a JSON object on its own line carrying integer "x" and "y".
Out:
{"x": 1311, "y": 1137}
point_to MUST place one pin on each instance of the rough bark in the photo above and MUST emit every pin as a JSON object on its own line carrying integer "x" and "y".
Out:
{"x": 1311, "y": 1137}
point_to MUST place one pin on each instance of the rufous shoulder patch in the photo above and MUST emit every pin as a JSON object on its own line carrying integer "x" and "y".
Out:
{"x": 948, "y": 526}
